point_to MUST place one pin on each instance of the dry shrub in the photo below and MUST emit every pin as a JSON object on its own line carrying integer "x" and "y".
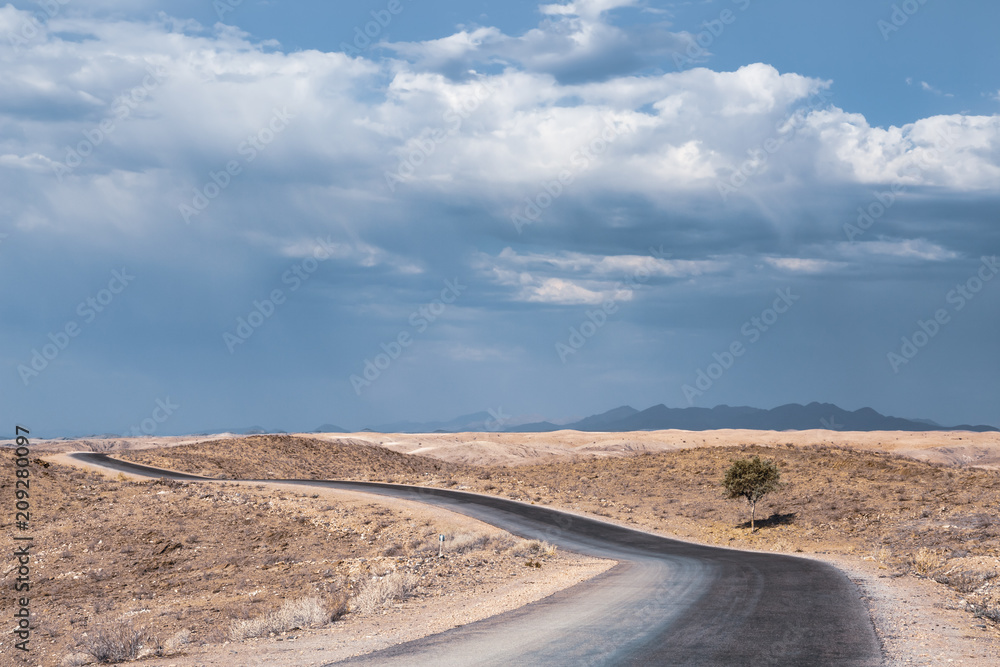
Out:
{"x": 533, "y": 548}
{"x": 336, "y": 604}
{"x": 116, "y": 641}
{"x": 293, "y": 614}
{"x": 376, "y": 593}
{"x": 965, "y": 581}
{"x": 926, "y": 561}
{"x": 988, "y": 611}
{"x": 463, "y": 542}
{"x": 879, "y": 554}
{"x": 181, "y": 639}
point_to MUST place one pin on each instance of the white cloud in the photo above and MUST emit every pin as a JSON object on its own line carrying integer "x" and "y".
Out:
{"x": 576, "y": 44}
{"x": 928, "y": 88}
{"x": 568, "y": 292}
{"x": 954, "y": 152}
{"x": 920, "y": 249}
{"x": 675, "y": 136}
{"x": 33, "y": 162}
{"x": 803, "y": 265}
{"x": 569, "y": 278}
{"x": 616, "y": 266}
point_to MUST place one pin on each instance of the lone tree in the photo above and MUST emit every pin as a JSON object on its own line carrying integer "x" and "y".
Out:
{"x": 751, "y": 479}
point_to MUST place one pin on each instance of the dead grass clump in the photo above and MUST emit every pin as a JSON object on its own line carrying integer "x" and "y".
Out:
{"x": 461, "y": 543}
{"x": 533, "y": 548}
{"x": 376, "y": 593}
{"x": 965, "y": 581}
{"x": 181, "y": 639}
{"x": 927, "y": 562}
{"x": 75, "y": 660}
{"x": 987, "y": 611}
{"x": 294, "y": 614}
{"x": 464, "y": 542}
{"x": 116, "y": 641}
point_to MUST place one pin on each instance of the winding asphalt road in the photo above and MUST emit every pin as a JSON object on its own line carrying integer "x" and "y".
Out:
{"x": 666, "y": 603}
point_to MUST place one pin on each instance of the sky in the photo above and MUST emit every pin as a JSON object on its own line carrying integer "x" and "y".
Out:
{"x": 226, "y": 214}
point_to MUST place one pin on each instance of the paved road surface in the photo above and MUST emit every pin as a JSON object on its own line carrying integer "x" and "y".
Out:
{"x": 666, "y": 603}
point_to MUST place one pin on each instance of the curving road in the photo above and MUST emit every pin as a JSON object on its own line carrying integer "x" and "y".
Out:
{"x": 666, "y": 603}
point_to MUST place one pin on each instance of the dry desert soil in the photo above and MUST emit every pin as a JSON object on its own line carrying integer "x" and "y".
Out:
{"x": 910, "y": 517}
{"x": 243, "y": 574}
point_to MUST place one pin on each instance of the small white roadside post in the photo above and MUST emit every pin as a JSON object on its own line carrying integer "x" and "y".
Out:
{"x": 440, "y": 546}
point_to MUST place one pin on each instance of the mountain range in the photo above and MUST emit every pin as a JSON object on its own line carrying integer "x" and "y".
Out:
{"x": 791, "y": 417}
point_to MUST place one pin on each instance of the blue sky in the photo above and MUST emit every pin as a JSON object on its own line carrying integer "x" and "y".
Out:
{"x": 545, "y": 210}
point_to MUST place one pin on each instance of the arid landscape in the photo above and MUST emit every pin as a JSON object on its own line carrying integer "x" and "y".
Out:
{"x": 178, "y": 568}
{"x": 191, "y": 562}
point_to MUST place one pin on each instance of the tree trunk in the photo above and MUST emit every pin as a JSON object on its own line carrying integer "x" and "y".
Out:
{"x": 753, "y": 509}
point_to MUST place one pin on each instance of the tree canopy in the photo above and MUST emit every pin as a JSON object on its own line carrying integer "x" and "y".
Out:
{"x": 751, "y": 479}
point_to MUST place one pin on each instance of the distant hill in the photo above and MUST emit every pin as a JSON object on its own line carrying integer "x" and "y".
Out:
{"x": 602, "y": 421}
{"x": 791, "y": 417}
{"x": 330, "y": 428}
{"x": 477, "y": 421}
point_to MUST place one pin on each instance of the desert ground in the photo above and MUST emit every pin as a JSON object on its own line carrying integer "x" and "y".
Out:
{"x": 205, "y": 574}
{"x": 960, "y": 448}
{"x": 911, "y": 517}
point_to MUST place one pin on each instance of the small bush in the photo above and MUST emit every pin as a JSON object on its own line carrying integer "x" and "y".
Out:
{"x": 463, "y": 542}
{"x": 293, "y": 614}
{"x": 178, "y": 641}
{"x": 377, "y": 593}
{"x": 115, "y": 641}
{"x": 75, "y": 660}
{"x": 984, "y": 611}
{"x": 926, "y": 562}
{"x": 965, "y": 581}
{"x": 534, "y": 548}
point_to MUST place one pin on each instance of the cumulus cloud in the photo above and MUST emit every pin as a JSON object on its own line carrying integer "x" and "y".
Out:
{"x": 361, "y": 123}
{"x": 578, "y": 43}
